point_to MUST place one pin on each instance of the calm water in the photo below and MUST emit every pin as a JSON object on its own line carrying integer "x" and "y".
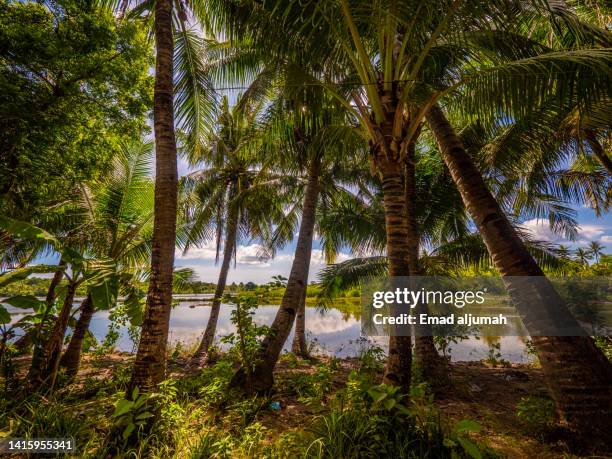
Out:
{"x": 336, "y": 332}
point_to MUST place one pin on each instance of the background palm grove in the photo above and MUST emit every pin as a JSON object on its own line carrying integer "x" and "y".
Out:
{"x": 415, "y": 136}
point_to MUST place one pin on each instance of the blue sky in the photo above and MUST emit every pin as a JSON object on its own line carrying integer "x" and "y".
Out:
{"x": 250, "y": 268}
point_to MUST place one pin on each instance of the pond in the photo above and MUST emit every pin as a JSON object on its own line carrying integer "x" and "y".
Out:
{"x": 337, "y": 331}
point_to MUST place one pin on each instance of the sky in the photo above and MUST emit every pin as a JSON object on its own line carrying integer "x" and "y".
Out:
{"x": 250, "y": 268}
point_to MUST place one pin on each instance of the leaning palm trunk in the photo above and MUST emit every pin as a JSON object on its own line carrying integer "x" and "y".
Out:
{"x": 272, "y": 346}
{"x": 201, "y": 356}
{"x": 150, "y": 364}
{"x": 299, "y": 346}
{"x": 577, "y": 373}
{"x": 45, "y": 372}
{"x": 71, "y": 359}
{"x": 431, "y": 365}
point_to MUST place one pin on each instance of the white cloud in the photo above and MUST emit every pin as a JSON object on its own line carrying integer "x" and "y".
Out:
{"x": 318, "y": 258}
{"x": 590, "y": 232}
{"x": 205, "y": 252}
{"x": 251, "y": 255}
{"x": 540, "y": 230}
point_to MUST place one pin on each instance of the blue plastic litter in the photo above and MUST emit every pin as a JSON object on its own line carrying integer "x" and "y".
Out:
{"x": 276, "y": 406}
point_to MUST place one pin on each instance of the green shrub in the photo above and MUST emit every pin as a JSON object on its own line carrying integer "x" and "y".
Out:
{"x": 538, "y": 413}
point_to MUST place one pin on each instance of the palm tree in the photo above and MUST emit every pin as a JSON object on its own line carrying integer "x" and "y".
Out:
{"x": 233, "y": 198}
{"x": 595, "y": 250}
{"x": 563, "y": 252}
{"x": 150, "y": 364}
{"x": 181, "y": 85}
{"x": 582, "y": 256}
{"x": 558, "y": 354}
{"x": 319, "y": 145}
{"x": 78, "y": 269}
{"x": 118, "y": 218}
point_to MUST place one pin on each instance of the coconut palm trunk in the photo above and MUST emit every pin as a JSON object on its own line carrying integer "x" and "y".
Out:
{"x": 272, "y": 346}
{"x": 72, "y": 356}
{"x": 200, "y": 358}
{"x": 150, "y": 364}
{"x": 399, "y": 359}
{"x": 578, "y": 374}
{"x": 299, "y": 346}
{"x": 45, "y": 373}
{"x": 429, "y": 361}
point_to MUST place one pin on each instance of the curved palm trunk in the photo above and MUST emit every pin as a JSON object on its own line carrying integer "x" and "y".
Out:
{"x": 272, "y": 346}
{"x": 432, "y": 366}
{"x": 299, "y": 346}
{"x": 150, "y": 364}
{"x": 72, "y": 356}
{"x": 577, "y": 373}
{"x": 399, "y": 360}
{"x": 46, "y": 372}
{"x": 200, "y": 358}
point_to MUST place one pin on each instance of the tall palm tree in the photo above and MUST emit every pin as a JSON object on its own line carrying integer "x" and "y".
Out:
{"x": 596, "y": 250}
{"x": 232, "y": 198}
{"x": 181, "y": 86}
{"x": 359, "y": 224}
{"x": 150, "y": 364}
{"x": 560, "y": 356}
{"x": 319, "y": 145}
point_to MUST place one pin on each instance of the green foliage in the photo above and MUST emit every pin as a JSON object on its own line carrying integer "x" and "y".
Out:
{"x": 494, "y": 356}
{"x": 131, "y": 416}
{"x": 357, "y": 433}
{"x": 605, "y": 344}
{"x": 36, "y": 286}
{"x": 75, "y": 82}
{"x": 19, "y": 274}
{"x": 538, "y": 413}
{"x": 373, "y": 420}
{"x": 372, "y": 359}
{"x": 459, "y": 435}
{"x": 46, "y": 418}
{"x": 7, "y": 362}
{"x": 245, "y": 343}
{"x": 210, "y": 385}
{"x": 310, "y": 387}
